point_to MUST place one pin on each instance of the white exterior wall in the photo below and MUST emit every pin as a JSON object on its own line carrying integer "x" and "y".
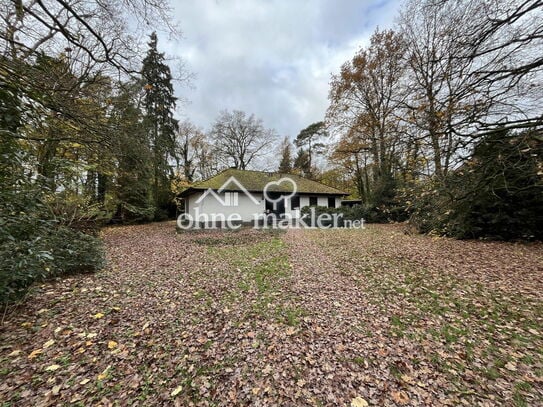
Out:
{"x": 246, "y": 207}
{"x": 304, "y": 201}
{"x": 211, "y": 206}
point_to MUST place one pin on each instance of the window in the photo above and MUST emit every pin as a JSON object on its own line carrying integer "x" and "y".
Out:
{"x": 231, "y": 198}
{"x": 295, "y": 202}
{"x": 313, "y": 201}
{"x": 331, "y": 202}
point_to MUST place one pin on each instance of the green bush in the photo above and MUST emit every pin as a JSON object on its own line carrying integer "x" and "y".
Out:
{"x": 357, "y": 212}
{"x": 37, "y": 257}
{"x": 498, "y": 194}
{"x": 33, "y": 244}
{"x": 394, "y": 211}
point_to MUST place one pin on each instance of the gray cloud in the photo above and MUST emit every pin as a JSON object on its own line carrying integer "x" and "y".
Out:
{"x": 271, "y": 58}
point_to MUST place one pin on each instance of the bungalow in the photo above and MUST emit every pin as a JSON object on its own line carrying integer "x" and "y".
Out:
{"x": 250, "y": 194}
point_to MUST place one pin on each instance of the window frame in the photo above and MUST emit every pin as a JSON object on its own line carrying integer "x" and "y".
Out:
{"x": 231, "y": 198}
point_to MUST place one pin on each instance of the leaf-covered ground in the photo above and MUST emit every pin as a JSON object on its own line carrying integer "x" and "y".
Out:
{"x": 320, "y": 318}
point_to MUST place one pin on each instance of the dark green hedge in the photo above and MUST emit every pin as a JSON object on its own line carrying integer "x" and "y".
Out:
{"x": 498, "y": 194}
{"x": 33, "y": 244}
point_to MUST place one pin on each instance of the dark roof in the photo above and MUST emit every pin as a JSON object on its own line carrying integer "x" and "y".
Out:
{"x": 255, "y": 181}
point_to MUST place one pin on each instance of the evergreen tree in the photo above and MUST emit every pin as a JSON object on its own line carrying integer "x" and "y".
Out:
{"x": 159, "y": 103}
{"x": 302, "y": 163}
{"x": 285, "y": 165}
{"x": 133, "y": 189}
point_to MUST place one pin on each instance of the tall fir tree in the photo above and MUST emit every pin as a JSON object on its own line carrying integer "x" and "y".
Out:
{"x": 134, "y": 157}
{"x": 159, "y": 102}
{"x": 302, "y": 163}
{"x": 285, "y": 165}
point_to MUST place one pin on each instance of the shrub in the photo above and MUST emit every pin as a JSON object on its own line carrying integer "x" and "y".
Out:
{"x": 498, "y": 194}
{"x": 59, "y": 251}
{"x": 33, "y": 244}
{"x": 357, "y": 212}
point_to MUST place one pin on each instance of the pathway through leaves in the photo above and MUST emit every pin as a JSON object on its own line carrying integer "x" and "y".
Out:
{"x": 337, "y": 317}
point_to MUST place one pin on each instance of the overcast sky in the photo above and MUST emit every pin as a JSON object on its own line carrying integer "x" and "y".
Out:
{"x": 272, "y": 58}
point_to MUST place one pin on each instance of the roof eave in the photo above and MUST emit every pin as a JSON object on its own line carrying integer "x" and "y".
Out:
{"x": 193, "y": 190}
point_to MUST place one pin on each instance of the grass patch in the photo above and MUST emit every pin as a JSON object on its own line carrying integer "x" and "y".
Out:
{"x": 261, "y": 272}
{"x": 459, "y": 324}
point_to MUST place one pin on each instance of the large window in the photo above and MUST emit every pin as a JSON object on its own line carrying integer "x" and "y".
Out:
{"x": 231, "y": 198}
{"x": 313, "y": 201}
{"x": 331, "y": 202}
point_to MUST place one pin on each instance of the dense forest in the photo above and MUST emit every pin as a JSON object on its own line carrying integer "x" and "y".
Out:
{"x": 436, "y": 121}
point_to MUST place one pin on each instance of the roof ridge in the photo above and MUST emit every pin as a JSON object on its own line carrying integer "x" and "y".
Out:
{"x": 232, "y": 172}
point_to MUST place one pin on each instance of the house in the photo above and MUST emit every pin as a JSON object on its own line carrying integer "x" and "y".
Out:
{"x": 247, "y": 195}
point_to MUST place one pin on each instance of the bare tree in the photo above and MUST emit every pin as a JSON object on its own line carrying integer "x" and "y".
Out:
{"x": 443, "y": 101}
{"x": 208, "y": 163}
{"x": 189, "y": 143}
{"x": 240, "y": 138}
{"x": 473, "y": 65}
{"x": 505, "y": 42}
{"x": 94, "y": 31}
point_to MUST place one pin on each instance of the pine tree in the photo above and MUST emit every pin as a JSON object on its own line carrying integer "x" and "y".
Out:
{"x": 285, "y": 165}
{"x": 309, "y": 138}
{"x": 159, "y": 103}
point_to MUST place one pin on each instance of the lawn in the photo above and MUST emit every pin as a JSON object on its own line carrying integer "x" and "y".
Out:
{"x": 315, "y": 317}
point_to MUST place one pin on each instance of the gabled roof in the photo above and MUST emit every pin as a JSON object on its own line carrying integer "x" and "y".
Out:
{"x": 256, "y": 181}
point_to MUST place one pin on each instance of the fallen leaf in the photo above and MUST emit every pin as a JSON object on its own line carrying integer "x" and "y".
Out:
{"x": 407, "y": 379}
{"x": 400, "y": 397}
{"x": 48, "y": 344}
{"x": 359, "y": 402}
{"x": 104, "y": 374}
{"x": 112, "y": 344}
{"x": 511, "y": 366}
{"x": 290, "y": 331}
{"x": 52, "y": 368}
{"x": 98, "y": 315}
{"x": 176, "y": 391}
{"x": 35, "y": 353}
{"x": 84, "y": 382}
{"x": 15, "y": 353}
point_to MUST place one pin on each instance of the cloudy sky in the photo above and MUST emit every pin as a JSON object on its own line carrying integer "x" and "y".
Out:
{"x": 272, "y": 58}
